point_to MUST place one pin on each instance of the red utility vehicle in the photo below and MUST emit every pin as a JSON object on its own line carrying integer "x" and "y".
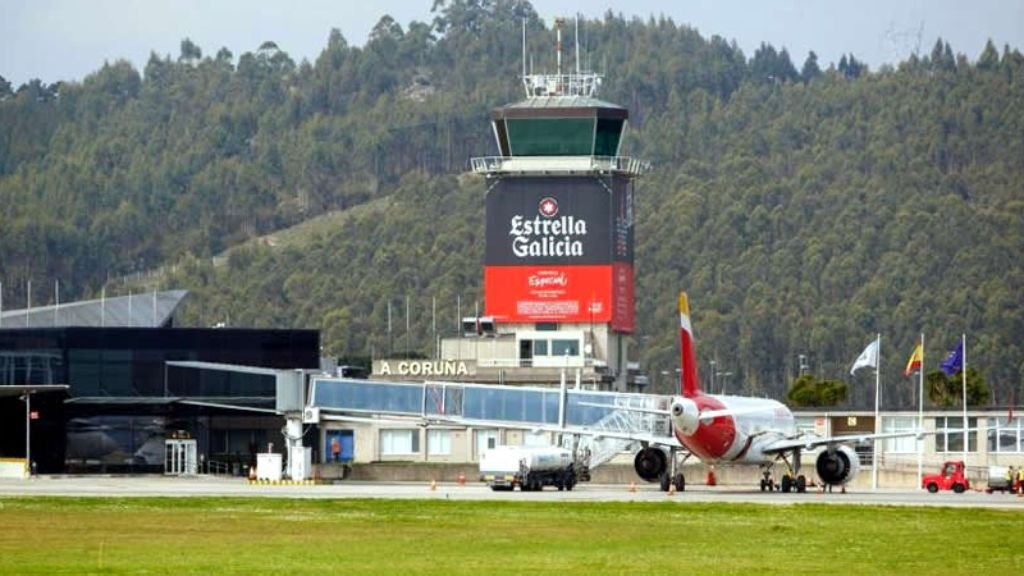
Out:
{"x": 950, "y": 478}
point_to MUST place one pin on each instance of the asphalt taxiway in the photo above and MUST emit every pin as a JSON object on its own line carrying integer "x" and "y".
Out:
{"x": 140, "y": 486}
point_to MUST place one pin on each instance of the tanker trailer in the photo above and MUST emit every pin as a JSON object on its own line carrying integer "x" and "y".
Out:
{"x": 529, "y": 467}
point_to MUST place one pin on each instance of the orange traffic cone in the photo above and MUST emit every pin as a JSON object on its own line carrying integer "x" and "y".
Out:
{"x": 462, "y": 479}
{"x": 711, "y": 476}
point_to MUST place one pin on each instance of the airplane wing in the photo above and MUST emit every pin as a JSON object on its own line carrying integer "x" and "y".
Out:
{"x": 811, "y": 441}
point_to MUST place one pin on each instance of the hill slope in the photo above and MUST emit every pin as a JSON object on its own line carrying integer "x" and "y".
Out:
{"x": 804, "y": 212}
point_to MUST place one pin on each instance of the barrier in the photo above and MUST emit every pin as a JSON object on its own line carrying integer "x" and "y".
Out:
{"x": 13, "y": 468}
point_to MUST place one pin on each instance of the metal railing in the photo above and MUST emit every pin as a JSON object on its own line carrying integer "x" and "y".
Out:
{"x": 558, "y": 164}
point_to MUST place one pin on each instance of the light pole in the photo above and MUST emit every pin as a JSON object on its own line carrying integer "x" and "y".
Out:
{"x": 803, "y": 364}
{"x": 725, "y": 378}
{"x": 712, "y": 386}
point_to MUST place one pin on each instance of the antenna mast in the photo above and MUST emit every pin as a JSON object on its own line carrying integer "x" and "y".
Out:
{"x": 561, "y": 84}
{"x": 577, "y": 46}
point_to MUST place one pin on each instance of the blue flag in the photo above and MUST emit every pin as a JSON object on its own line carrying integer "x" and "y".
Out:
{"x": 955, "y": 361}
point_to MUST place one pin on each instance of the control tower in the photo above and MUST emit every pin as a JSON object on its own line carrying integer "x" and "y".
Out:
{"x": 558, "y": 263}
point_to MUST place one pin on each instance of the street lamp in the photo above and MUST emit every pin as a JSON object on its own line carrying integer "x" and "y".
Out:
{"x": 803, "y": 364}
{"x": 712, "y": 386}
{"x": 725, "y": 377}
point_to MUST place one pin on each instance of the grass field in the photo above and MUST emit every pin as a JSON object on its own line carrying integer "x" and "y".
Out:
{"x": 294, "y": 536}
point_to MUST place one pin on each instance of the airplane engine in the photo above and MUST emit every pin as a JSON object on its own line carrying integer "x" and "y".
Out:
{"x": 650, "y": 463}
{"x": 837, "y": 465}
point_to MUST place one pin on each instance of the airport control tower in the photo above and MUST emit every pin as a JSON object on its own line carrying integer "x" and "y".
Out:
{"x": 558, "y": 265}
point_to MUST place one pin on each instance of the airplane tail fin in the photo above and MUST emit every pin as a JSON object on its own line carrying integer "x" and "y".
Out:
{"x": 687, "y": 352}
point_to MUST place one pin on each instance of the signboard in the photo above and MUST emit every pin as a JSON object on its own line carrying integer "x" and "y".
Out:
{"x": 560, "y": 249}
{"x": 559, "y": 220}
{"x": 580, "y": 294}
{"x": 423, "y": 368}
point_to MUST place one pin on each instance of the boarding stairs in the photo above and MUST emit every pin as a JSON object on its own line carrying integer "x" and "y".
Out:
{"x": 595, "y": 450}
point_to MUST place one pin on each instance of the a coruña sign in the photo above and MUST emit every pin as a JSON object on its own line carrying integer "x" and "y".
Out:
{"x": 424, "y": 368}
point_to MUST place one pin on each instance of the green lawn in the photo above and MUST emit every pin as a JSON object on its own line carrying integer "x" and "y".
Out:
{"x": 293, "y": 536}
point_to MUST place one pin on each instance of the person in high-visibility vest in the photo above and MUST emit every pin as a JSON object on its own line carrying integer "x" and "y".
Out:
{"x": 1011, "y": 479}
{"x": 1020, "y": 480}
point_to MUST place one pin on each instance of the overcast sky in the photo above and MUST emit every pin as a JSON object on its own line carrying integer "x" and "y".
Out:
{"x": 67, "y": 39}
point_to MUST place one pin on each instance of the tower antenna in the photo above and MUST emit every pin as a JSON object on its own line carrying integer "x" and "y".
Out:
{"x": 577, "y": 46}
{"x": 524, "y": 47}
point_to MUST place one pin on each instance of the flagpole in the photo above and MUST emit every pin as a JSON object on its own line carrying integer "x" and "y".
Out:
{"x": 874, "y": 447}
{"x": 920, "y": 417}
{"x": 963, "y": 373}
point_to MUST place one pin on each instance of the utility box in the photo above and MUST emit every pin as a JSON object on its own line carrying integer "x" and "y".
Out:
{"x": 268, "y": 467}
{"x": 301, "y": 465}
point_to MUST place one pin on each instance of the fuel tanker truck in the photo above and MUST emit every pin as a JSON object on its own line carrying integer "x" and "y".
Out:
{"x": 529, "y": 467}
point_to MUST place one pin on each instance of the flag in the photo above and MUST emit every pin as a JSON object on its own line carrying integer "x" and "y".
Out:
{"x": 869, "y": 357}
{"x": 955, "y": 361}
{"x": 915, "y": 360}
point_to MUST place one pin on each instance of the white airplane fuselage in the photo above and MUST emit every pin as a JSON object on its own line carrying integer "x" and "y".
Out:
{"x": 738, "y": 438}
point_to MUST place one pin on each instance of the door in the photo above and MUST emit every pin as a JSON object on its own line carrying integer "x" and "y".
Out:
{"x": 340, "y": 446}
{"x": 526, "y": 353}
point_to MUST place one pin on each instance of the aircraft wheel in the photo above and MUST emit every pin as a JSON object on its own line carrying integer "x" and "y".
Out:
{"x": 680, "y": 482}
{"x": 801, "y": 484}
{"x": 764, "y": 485}
{"x": 664, "y": 481}
{"x": 787, "y": 484}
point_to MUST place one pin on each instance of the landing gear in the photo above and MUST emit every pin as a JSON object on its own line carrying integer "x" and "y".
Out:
{"x": 767, "y": 482}
{"x": 791, "y": 480}
{"x": 673, "y": 476}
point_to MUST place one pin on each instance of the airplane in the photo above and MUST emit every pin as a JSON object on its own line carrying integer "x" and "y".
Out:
{"x": 725, "y": 430}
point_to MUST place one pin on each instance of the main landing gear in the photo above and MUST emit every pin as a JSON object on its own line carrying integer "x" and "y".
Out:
{"x": 792, "y": 480}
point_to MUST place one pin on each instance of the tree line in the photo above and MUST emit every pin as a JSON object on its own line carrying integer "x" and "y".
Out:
{"x": 803, "y": 208}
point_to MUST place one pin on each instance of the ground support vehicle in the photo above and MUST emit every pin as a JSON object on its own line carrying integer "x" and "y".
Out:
{"x": 1000, "y": 479}
{"x": 529, "y": 467}
{"x": 950, "y": 477}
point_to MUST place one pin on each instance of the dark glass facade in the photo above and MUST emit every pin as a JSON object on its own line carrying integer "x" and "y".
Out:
{"x": 123, "y": 399}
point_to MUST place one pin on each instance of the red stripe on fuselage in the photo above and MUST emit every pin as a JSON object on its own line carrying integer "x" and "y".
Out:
{"x": 713, "y": 440}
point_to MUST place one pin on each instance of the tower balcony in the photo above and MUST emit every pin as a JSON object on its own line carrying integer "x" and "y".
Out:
{"x": 558, "y": 165}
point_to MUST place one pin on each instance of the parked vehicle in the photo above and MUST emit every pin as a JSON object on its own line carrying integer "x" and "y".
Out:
{"x": 999, "y": 480}
{"x": 529, "y": 467}
{"x": 950, "y": 477}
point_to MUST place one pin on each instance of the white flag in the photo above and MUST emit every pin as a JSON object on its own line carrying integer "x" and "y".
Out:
{"x": 869, "y": 357}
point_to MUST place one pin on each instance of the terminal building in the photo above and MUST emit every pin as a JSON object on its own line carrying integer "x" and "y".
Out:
{"x": 103, "y": 396}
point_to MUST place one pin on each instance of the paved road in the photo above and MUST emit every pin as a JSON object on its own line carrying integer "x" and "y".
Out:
{"x": 234, "y": 487}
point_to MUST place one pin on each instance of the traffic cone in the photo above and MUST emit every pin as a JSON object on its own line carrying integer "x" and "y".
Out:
{"x": 711, "y": 476}
{"x": 433, "y": 485}
{"x": 462, "y": 479}
{"x": 671, "y": 489}
{"x": 632, "y": 486}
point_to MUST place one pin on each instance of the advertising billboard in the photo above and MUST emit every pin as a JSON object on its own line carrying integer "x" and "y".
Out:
{"x": 560, "y": 249}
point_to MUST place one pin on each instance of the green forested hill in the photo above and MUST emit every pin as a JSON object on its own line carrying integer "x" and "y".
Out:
{"x": 804, "y": 209}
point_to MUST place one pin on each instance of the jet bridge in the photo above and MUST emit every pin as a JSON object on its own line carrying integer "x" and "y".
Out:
{"x": 531, "y": 408}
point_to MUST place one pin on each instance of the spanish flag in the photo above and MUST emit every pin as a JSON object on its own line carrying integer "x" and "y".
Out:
{"x": 916, "y": 357}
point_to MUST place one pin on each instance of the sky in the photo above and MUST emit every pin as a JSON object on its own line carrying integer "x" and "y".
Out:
{"x": 68, "y": 39}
